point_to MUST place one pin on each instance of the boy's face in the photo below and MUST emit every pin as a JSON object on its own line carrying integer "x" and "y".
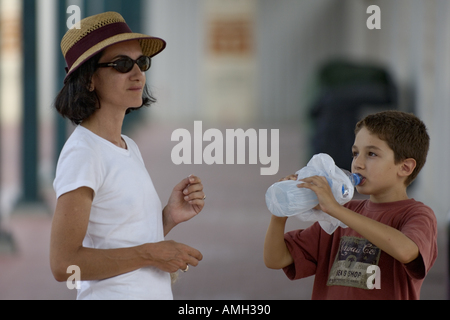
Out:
{"x": 374, "y": 160}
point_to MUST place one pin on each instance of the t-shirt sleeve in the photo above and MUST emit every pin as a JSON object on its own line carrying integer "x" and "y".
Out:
{"x": 304, "y": 248}
{"x": 421, "y": 228}
{"x": 78, "y": 166}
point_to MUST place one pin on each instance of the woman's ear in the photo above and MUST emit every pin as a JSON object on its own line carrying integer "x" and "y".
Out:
{"x": 91, "y": 84}
{"x": 407, "y": 167}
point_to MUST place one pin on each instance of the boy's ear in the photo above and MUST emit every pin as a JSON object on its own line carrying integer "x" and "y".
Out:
{"x": 407, "y": 167}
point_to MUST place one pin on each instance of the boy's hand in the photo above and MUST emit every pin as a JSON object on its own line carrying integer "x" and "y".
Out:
{"x": 291, "y": 177}
{"x": 322, "y": 189}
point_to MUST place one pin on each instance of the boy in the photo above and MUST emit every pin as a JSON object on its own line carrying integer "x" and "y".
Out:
{"x": 393, "y": 235}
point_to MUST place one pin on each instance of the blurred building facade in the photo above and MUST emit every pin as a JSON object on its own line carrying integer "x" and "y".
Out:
{"x": 254, "y": 61}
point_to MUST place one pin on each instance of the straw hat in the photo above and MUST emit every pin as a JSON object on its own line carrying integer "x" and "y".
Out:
{"x": 99, "y": 32}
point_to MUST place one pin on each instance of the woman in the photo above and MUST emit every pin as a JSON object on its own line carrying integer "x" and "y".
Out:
{"x": 108, "y": 219}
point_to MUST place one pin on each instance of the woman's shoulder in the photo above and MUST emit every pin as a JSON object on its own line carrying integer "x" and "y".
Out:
{"x": 79, "y": 143}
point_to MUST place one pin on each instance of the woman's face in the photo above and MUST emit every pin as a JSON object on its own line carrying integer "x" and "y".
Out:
{"x": 117, "y": 90}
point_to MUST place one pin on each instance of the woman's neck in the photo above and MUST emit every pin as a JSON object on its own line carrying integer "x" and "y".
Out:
{"x": 107, "y": 126}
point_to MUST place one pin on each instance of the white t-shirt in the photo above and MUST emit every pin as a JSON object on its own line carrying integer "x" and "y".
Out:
{"x": 126, "y": 211}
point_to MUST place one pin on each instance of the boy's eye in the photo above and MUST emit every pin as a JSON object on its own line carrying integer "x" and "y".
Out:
{"x": 371, "y": 154}
{"x": 354, "y": 154}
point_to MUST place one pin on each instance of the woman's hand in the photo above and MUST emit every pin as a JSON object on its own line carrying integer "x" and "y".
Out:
{"x": 186, "y": 201}
{"x": 170, "y": 256}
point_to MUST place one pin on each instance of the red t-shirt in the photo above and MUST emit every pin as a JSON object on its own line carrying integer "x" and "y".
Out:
{"x": 340, "y": 261}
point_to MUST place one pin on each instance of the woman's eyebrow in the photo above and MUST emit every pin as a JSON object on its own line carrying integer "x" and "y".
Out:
{"x": 120, "y": 56}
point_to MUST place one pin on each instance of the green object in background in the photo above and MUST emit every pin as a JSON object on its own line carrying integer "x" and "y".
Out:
{"x": 30, "y": 116}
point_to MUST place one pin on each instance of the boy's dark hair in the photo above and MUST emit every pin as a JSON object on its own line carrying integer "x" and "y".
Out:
{"x": 76, "y": 103}
{"x": 405, "y": 134}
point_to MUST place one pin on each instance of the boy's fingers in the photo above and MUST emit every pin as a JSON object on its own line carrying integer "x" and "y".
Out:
{"x": 290, "y": 177}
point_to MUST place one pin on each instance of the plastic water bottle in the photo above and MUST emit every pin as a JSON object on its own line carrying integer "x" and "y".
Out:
{"x": 355, "y": 179}
{"x": 285, "y": 199}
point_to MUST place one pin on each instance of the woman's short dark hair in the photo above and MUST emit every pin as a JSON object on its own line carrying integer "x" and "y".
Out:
{"x": 76, "y": 103}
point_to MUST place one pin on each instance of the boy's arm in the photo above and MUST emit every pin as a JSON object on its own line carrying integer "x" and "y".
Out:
{"x": 276, "y": 253}
{"x": 388, "y": 239}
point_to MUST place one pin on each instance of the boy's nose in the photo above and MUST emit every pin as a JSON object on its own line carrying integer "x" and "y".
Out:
{"x": 358, "y": 162}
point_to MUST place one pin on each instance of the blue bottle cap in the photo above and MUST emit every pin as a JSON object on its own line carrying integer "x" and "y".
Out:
{"x": 357, "y": 178}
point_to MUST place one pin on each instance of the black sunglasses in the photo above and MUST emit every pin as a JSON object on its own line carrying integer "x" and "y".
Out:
{"x": 126, "y": 64}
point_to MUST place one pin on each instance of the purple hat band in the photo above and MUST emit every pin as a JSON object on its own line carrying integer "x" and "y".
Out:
{"x": 94, "y": 38}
